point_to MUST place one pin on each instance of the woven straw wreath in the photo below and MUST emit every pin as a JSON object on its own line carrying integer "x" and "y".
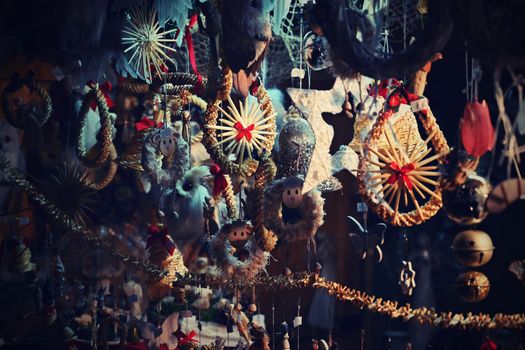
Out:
{"x": 391, "y": 177}
{"x": 239, "y": 130}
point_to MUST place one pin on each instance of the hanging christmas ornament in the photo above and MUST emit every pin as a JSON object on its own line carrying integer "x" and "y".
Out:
{"x": 19, "y": 114}
{"x": 504, "y": 194}
{"x": 472, "y": 286}
{"x": 392, "y": 178}
{"x": 367, "y": 242}
{"x": 96, "y": 100}
{"x": 473, "y": 248}
{"x": 165, "y": 156}
{"x": 160, "y": 246}
{"x": 517, "y": 267}
{"x": 68, "y": 190}
{"x": 233, "y": 138}
{"x": 289, "y": 211}
{"x": 235, "y": 251}
{"x": 146, "y": 43}
{"x": 477, "y": 132}
{"x": 18, "y": 256}
{"x": 407, "y": 278}
{"x": 312, "y": 104}
{"x": 464, "y": 202}
{"x": 183, "y": 205}
{"x": 261, "y": 339}
{"x": 315, "y": 52}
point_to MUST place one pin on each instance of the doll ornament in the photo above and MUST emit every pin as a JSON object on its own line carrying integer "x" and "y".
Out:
{"x": 292, "y": 198}
{"x": 289, "y": 211}
{"x": 238, "y": 236}
{"x": 235, "y": 251}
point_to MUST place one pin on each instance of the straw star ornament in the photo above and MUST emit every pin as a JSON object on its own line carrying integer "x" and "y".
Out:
{"x": 244, "y": 129}
{"x": 146, "y": 41}
{"x": 403, "y": 172}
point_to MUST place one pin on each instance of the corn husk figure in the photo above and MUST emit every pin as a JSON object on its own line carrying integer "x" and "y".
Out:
{"x": 241, "y": 321}
{"x": 261, "y": 340}
{"x": 18, "y": 256}
{"x": 407, "y": 278}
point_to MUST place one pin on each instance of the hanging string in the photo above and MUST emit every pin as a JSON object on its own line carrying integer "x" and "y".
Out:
{"x": 301, "y": 51}
{"x": 467, "y": 86}
{"x": 273, "y": 322}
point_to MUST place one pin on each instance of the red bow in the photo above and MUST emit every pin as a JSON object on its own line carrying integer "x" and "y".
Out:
{"x": 399, "y": 95}
{"x": 105, "y": 88}
{"x": 191, "y": 50}
{"x": 188, "y": 338}
{"x": 219, "y": 180}
{"x": 146, "y": 123}
{"x": 155, "y": 234}
{"x": 243, "y": 132}
{"x": 401, "y": 173}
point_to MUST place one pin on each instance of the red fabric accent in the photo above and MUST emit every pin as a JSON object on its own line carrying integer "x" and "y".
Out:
{"x": 186, "y": 339}
{"x": 243, "y": 132}
{"x": 394, "y": 101}
{"x": 388, "y": 114}
{"x": 477, "y": 132}
{"x": 219, "y": 180}
{"x": 254, "y": 87}
{"x": 105, "y": 88}
{"x": 400, "y": 173}
{"x": 146, "y": 123}
{"x": 155, "y": 234}
{"x": 489, "y": 344}
{"x": 191, "y": 50}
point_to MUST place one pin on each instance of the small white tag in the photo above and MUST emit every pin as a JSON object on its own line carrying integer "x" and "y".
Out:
{"x": 297, "y": 73}
{"x": 57, "y": 73}
{"x": 259, "y": 319}
{"x": 361, "y": 207}
{"x": 297, "y": 321}
{"x": 419, "y": 104}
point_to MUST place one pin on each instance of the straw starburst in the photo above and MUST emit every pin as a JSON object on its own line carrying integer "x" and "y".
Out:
{"x": 404, "y": 172}
{"x": 244, "y": 129}
{"x": 145, "y": 42}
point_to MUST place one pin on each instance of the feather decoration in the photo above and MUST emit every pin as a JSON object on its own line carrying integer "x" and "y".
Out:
{"x": 176, "y": 11}
{"x": 280, "y": 11}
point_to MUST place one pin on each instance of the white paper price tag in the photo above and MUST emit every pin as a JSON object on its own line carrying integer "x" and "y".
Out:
{"x": 297, "y": 321}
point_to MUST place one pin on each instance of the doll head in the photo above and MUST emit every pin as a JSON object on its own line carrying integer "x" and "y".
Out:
{"x": 292, "y": 196}
{"x": 238, "y": 232}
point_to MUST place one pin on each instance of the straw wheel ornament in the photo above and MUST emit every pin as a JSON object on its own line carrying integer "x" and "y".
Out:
{"x": 402, "y": 176}
{"x": 146, "y": 42}
{"x": 232, "y": 137}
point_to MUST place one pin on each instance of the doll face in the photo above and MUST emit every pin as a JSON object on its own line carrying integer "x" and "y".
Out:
{"x": 239, "y": 234}
{"x": 293, "y": 196}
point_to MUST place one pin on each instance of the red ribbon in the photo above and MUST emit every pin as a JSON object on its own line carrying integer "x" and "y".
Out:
{"x": 105, "y": 88}
{"x": 146, "y": 123}
{"x": 155, "y": 234}
{"x": 219, "y": 180}
{"x": 188, "y": 338}
{"x": 401, "y": 173}
{"x": 191, "y": 50}
{"x": 243, "y": 132}
{"x": 489, "y": 344}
